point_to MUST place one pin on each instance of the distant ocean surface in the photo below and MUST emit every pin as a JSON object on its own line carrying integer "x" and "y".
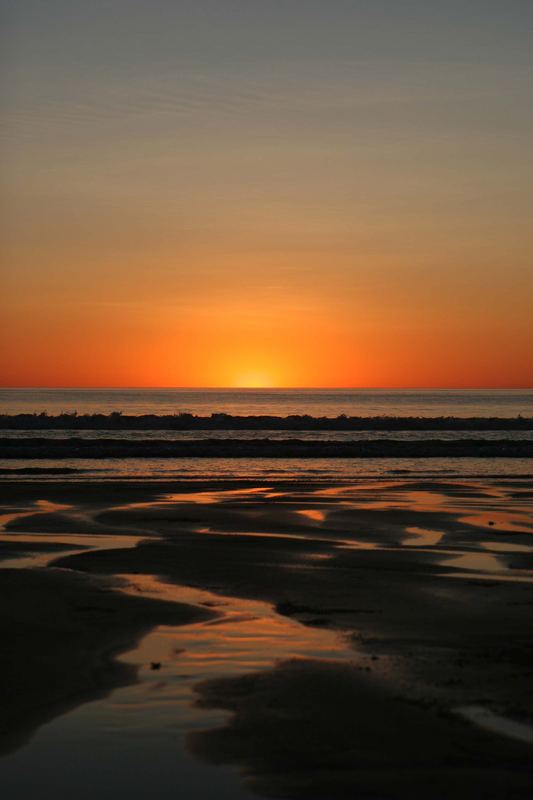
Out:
{"x": 277, "y": 402}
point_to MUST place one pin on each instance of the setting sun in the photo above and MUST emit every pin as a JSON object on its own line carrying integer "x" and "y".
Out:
{"x": 254, "y": 379}
{"x": 262, "y": 225}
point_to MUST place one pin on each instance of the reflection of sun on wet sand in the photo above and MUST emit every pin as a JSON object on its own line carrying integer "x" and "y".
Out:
{"x": 60, "y": 634}
{"x": 399, "y": 601}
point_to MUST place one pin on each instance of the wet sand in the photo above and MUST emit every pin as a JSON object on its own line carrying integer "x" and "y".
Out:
{"x": 60, "y": 635}
{"x": 429, "y": 585}
{"x": 312, "y": 729}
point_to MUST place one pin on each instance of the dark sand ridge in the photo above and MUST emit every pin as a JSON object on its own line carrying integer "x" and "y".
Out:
{"x": 428, "y": 636}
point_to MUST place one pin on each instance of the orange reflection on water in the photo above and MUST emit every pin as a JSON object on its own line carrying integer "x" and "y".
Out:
{"x": 39, "y": 507}
{"x": 501, "y": 520}
{"x": 313, "y": 514}
{"x": 208, "y": 497}
{"x": 247, "y": 635}
{"x": 72, "y": 544}
{"x": 422, "y": 537}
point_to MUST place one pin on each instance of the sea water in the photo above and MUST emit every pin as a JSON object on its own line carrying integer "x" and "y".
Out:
{"x": 279, "y": 402}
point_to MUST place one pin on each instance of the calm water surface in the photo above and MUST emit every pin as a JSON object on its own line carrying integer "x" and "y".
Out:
{"x": 316, "y": 402}
{"x": 309, "y": 470}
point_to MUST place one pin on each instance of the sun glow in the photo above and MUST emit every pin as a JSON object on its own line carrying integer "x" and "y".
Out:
{"x": 254, "y": 379}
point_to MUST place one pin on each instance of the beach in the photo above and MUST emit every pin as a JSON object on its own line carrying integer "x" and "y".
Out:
{"x": 386, "y": 621}
{"x": 266, "y": 401}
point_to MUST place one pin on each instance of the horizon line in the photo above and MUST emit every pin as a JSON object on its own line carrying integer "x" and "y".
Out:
{"x": 272, "y": 388}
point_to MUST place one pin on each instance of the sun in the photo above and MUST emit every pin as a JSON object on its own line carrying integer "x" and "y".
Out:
{"x": 251, "y": 367}
{"x": 254, "y": 379}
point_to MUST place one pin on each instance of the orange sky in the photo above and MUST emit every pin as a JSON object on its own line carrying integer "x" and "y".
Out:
{"x": 196, "y": 199}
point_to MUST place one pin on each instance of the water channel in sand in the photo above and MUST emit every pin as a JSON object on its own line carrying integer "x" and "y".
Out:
{"x": 133, "y": 743}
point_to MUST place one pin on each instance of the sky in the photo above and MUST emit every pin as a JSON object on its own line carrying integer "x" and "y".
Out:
{"x": 281, "y": 193}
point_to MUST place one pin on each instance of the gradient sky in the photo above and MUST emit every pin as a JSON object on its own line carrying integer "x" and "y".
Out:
{"x": 267, "y": 192}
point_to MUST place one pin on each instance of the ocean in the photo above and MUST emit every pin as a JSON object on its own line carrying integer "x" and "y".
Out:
{"x": 280, "y": 402}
